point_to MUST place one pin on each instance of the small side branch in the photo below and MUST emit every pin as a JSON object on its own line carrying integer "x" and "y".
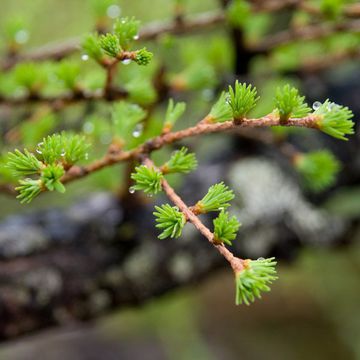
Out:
{"x": 236, "y": 263}
{"x": 309, "y": 32}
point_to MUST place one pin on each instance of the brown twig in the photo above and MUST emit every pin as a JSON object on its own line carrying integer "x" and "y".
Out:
{"x": 202, "y": 128}
{"x": 235, "y": 262}
{"x": 7, "y": 189}
{"x": 158, "y": 142}
{"x": 108, "y": 87}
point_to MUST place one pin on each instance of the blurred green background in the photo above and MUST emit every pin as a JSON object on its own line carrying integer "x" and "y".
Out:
{"x": 313, "y": 309}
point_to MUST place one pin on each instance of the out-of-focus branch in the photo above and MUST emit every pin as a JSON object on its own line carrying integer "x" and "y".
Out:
{"x": 59, "y": 50}
{"x": 319, "y": 64}
{"x": 7, "y": 189}
{"x": 59, "y": 101}
{"x": 310, "y": 32}
{"x": 109, "y": 92}
{"x": 150, "y": 31}
{"x": 350, "y": 10}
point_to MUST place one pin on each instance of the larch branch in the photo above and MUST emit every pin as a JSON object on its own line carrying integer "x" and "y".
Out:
{"x": 201, "y": 128}
{"x": 235, "y": 262}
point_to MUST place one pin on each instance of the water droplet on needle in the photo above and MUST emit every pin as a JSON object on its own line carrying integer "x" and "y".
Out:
{"x": 22, "y": 36}
{"x": 316, "y": 105}
{"x": 113, "y": 11}
{"x": 39, "y": 146}
{"x": 138, "y": 130}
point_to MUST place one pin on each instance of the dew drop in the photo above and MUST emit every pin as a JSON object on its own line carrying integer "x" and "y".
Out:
{"x": 84, "y": 57}
{"x": 138, "y": 130}
{"x": 316, "y": 105}
{"x": 136, "y": 37}
{"x": 98, "y": 91}
{"x": 131, "y": 190}
{"x": 227, "y": 100}
{"x": 63, "y": 152}
{"x": 105, "y": 139}
{"x": 113, "y": 11}
{"x": 39, "y": 146}
{"x": 261, "y": 258}
{"x": 88, "y": 127}
{"x": 22, "y": 36}
{"x": 126, "y": 61}
{"x": 332, "y": 106}
{"x": 208, "y": 94}
{"x": 53, "y": 77}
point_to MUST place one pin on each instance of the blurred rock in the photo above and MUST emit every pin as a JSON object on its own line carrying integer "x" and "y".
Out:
{"x": 63, "y": 265}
